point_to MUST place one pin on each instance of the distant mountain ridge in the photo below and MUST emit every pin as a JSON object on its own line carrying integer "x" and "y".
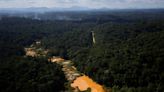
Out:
{"x": 73, "y": 8}
{"x": 44, "y": 9}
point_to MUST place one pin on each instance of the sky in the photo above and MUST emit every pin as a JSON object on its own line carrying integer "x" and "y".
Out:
{"x": 113, "y": 4}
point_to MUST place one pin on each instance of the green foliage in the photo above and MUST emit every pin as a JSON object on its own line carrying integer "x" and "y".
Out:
{"x": 127, "y": 56}
{"x": 34, "y": 75}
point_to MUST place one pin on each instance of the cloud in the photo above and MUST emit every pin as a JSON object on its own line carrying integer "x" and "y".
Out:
{"x": 86, "y": 3}
{"x": 67, "y": 1}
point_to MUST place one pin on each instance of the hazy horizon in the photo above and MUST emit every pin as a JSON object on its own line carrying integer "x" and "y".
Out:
{"x": 93, "y": 4}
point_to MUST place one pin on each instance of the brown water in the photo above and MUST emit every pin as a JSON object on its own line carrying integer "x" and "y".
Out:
{"x": 84, "y": 82}
{"x": 81, "y": 83}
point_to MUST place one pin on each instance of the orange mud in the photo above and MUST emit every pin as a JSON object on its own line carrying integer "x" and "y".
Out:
{"x": 84, "y": 82}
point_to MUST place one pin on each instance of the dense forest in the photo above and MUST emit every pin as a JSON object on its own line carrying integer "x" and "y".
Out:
{"x": 126, "y": 57}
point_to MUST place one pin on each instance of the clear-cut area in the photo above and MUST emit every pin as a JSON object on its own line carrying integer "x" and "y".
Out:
{"x": 30, "y": 52}
{"x": 84, "y": 82}
{"x": 79, "y": 81}
{"x": 56, "y": 59}
{"x": 33, "y": 51}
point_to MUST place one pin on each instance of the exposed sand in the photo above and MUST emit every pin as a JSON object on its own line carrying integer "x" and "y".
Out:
{"x": 80, "y": 82}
